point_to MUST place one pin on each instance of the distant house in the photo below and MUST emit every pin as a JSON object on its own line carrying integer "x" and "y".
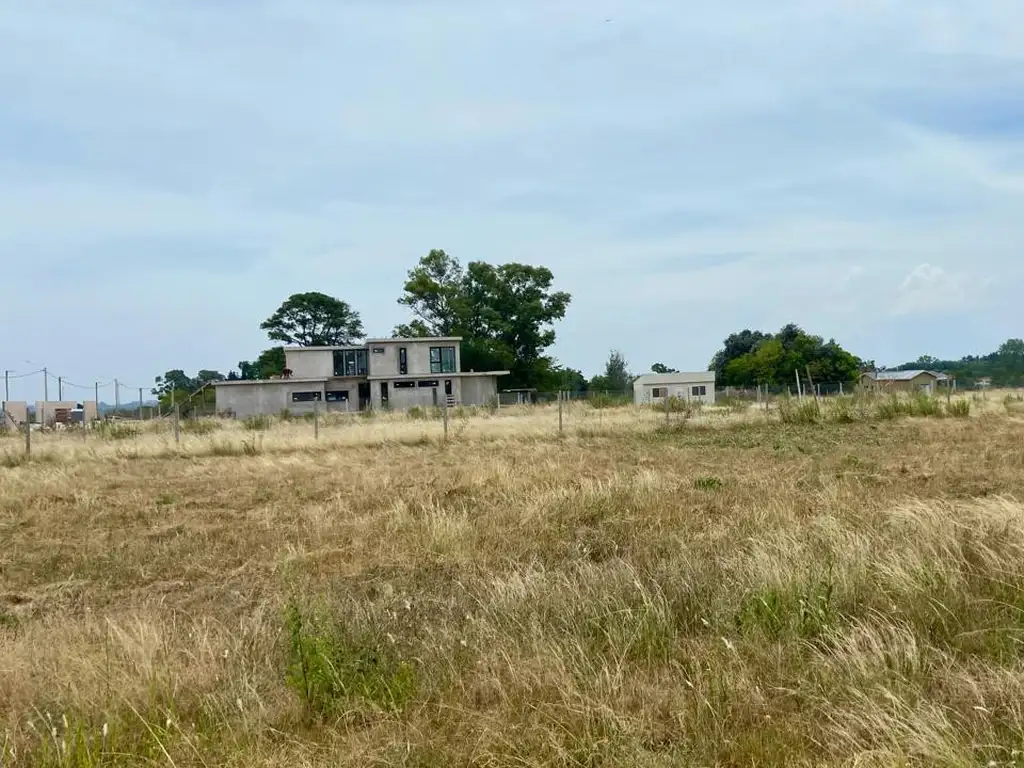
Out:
{"x": 652, "y": 388}
{"x": 378, "y": 374}
{"x": 903, "y": 381}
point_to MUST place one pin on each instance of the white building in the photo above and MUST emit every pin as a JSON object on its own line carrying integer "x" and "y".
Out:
{"x": 381, "y": 373}
{"x": 653, "y": 388}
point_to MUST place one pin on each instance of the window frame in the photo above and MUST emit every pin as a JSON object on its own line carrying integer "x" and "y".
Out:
{"x": 341, "y": 396}
{"x": 403, "y": 361}
{"x": 699, "y": 390}
{"x": 439, "y": 365}
{"x": 347, "y": 363}
{"x": 300, "y": 397}
{"x": 427, "y": 383}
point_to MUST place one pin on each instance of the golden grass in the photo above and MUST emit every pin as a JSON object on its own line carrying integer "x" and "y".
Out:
{"x": 729, "y": 590}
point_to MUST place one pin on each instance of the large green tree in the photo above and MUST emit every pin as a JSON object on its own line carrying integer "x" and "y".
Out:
{"x": 755, "y": 357}
{"x": 504, "y": 313}
{"x": 269, "y": 363}
{"x": 1005, "y": 366}
{"x": 314, "y": 319}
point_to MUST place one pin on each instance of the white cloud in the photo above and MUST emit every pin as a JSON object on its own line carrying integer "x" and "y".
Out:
{"x": 929, "y": 289}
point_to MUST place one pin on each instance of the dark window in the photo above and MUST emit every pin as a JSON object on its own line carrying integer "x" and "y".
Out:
{"x": 658, "y": 392}
{"x": 384, "y": 393}
{"x": 378, "y": 350}
{"x": 338, "y": 396}
{"x": 403, "y": 361}
{"x": 448, "y": 387}
{"x": 427, "y": 383}
{"x": 442, "y": 360}
{"x": 699, "y": 391}
{"x": 350, "y": 362}
{"x": 306, "y": 397}
{"x": 404, "y": 384}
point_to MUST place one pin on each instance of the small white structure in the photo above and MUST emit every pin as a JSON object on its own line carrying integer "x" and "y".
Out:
{"x": 655, "y": 387}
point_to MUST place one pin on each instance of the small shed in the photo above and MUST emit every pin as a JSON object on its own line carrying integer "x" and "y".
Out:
{"x": 903, "y": 381}
{"x": 653, "y": 388}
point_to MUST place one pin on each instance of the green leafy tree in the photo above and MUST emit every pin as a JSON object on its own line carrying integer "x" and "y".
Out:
{"x": 271, "y": 362}
{"x": 504, "y": 313}
{"x": 775, "y": 359}
{"x": 616, "y": 376}
{"x": 314, "y": 319}
{"x": 662, "y": 368}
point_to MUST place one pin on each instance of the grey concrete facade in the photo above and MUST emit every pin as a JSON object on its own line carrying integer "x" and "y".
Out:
{"x": 654, "y": 388}
{"x": 399, "y": 374}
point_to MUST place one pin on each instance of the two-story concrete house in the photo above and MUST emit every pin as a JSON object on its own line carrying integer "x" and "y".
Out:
{"x": 378, "y": 374}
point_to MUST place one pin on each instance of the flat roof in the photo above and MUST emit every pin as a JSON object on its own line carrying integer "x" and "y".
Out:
{"x": 421, "y": 376}
{"x": 368, "y": 342}
{"x": 682, "y": 377}
{"x": 281, "y": 380}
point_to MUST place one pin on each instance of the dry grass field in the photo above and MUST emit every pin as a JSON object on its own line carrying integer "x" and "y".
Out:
{"x": 842, "y": 587}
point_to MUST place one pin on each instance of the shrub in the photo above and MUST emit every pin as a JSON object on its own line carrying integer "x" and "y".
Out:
{"x": 605, "y": 400}
{"x": 925, "y": 405}
{"x": 707, "y": 483}
{"x": 959, "y": 409}
{"x": 115, "y": 430}
{"x": 200, "y": 426}
{"x": 260, "y": 422}
{"x": 332, "y": 665}
{"x": 891, "y": 408}
{"x": 841, "y": 410}
{"x": 792, "y": 411}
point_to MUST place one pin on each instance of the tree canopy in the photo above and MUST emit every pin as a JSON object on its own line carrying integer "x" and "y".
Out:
{"x": 751, "y": 357}
{"x": 662, "y": 368}
{"x": 314, "y": 319}
{"x": 269, "y": 363}
{"x": 504, "y": 313}
{"x": 616, "y": 377}
{"x": 1005, "y": 366}
{"x": 175, "y": 387}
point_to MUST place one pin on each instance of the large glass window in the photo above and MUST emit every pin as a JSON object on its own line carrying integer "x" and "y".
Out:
{"x": 403, "y": 361}
{"x": 350, "y": 362}
{"x": 442, "y": 360}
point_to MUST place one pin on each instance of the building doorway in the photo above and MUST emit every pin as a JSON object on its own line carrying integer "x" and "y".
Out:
{"x": 364, "y": 395}
{"x": 383, "y": 394}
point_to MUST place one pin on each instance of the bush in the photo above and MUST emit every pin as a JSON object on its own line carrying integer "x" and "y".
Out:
{"x": 332, "y": 665}
{"x": 891, "y": 408}
{"x": 925, "y": 405}
{"x": 115, "y": 430}
{"x": 200, "y": 426}
{"x": 792, "y": 411}
{"x": 604, "y": 400}
{"x": 960, "y": 408}
{"x": 708, "y": 483}
{"x": 258, "y": 423}
{"x": 841, "y": 410}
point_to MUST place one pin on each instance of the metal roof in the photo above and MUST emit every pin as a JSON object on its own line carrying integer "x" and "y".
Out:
{"x": 904, "y": 375}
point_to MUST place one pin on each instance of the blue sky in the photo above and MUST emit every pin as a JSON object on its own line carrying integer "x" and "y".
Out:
{"x": 169, "y": 172}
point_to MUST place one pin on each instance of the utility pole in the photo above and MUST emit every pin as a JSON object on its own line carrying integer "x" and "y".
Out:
{"x": 140, "y": 403}
{"x": 117, "y": 396}
{"x": 7, "y": 386}
{"x": 97, "y": 396}
{"x": 46, "y": 397}
{"x": 60, "y": 389}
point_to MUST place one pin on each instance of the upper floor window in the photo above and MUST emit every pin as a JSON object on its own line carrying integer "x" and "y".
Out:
{"x": 403, "y": 361}
{"x": 350, "y": 362}
{"x": 442, "y": 360}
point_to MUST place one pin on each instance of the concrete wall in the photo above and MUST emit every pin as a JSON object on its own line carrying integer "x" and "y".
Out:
{"x": 266, "y": 397}
{"x": 479, "y": 390}
{"x": 318, "y": 362}
{"x": 643, "y": 389}
{"x": 310, "y": 362}
{"x": 15, "y": 413}
{"x": 406, "y": 397}
{"x": 418, "y": 353}
{"x": 51, "y": 406}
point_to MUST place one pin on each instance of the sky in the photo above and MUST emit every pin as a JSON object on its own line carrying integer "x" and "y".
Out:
{"x": 170, "y": 172}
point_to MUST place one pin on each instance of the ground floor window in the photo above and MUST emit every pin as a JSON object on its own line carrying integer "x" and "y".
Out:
{"x": 428, "y": 383}
{"x": 404, "y": 385}
{"x": 306, "y": 397}
{"x": 659, "y": 392}
{"x": 338, "y": 396}
{"x": 699, "y": 391}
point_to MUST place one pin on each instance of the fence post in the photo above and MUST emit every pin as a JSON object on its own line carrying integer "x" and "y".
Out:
{"x": 28, "y": 438}
{"x": 444, "y": 417}
{"x": 560, "y": 398}
{"x": 316, "y": 419}
{"x": 666, "y": 408}
{"x": 177, "y": 425}
{"x": 841, "y": 388}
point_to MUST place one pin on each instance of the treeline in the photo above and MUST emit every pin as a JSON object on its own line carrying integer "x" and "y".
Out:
{"x": 1005, "y": 366}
